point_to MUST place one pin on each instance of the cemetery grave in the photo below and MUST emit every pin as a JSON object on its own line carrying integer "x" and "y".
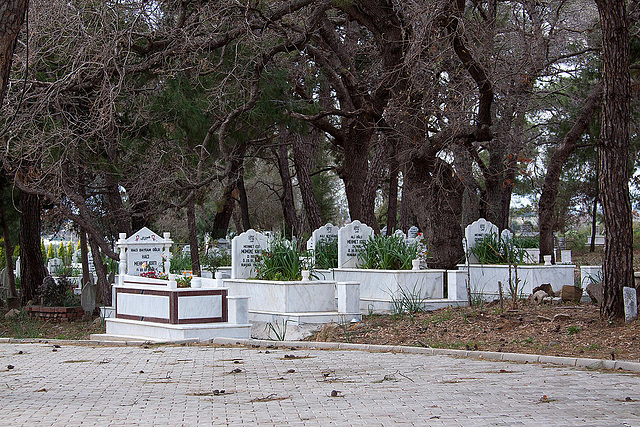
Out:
{"x": 151, "y": 308}
{"x": 484, "y": 277}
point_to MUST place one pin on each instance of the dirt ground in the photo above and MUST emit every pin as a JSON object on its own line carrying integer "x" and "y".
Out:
{"x": 577, "y": 330}
{"x": 25, "y": 327}
{"x": 568, "y": 329}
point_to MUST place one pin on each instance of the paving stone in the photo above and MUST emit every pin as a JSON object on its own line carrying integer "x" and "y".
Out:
{"x": 173, "y": 385}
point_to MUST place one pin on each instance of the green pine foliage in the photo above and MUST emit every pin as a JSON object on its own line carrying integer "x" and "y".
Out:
{"x": 70, "y": 253}
{"x": 62, "y": 251}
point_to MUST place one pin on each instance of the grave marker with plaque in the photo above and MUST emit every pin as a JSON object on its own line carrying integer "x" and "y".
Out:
{"x": 244, "y": 250}
{"x": 350, "y": 239}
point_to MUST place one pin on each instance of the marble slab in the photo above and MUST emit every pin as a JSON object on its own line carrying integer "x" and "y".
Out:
{"x": 350, "y": 239}
{"x": 630, "y": 301}
{"x": 199, "y": 307}
{"x": 589, "y": 273}
{"x": 285, "y": 297}
{"x": 143, "y": 305}
{"x": 477, "y": 230}
{"x": 388, "y": 284}
{"x": 148, "y": 331}
{"x": 484, "y": 278}
{"x": 245, "y": 248}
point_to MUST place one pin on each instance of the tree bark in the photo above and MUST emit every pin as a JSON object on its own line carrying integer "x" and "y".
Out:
{"x": 286, "y": 198}
{"x": 229, "y": 196}
{"x": 614, "y": 156}
{"x": 304, "y": 151}
{"x": 193, "y": 236}
{"x": 32, "y": 268}
{"x": 354, "y": 170}
{"x": 405, "y": 203}
{"x": 243, "y": 200}
{"x": 547, "y": 205}
{"x": 8, "y": 251}
{"x": 12, "y": 15}
{"x": 436, "y": 196}
{"x": 370, "y": 189}
{"x": 392, "y": 203}
{"x": 224, "y": 212}
{"x": 594, "y": 222}
{"x": 84, "y": 257}
{"x": 121, "y": 218}
{"x": 103, "y": 287}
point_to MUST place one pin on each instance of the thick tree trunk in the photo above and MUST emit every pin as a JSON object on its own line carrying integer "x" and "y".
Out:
{"x": 103, "y": 287}
{"x": 120, "y": 218}
{"x": 229, "y": 196}
{"x": 243, "y": 201}
{"x": 392, "y": 203}
{"x": 436, "y": 195}
{"x": 32, "y": 270}
{"x": 547, "y": 204}
{"x": 224, "y": 212}
{"x": 8, "y": 251}
{"x": 286, "y": 198}
{"x": 614, "y": 156}
{"x": 405, "y": 203}
{"x": 304, "y": 151}
{"x": 594, "y": 222}
{"x": 12, "y": 14}
{"x": 84, "y": 257}
{"x": 354, "y": 170}
{"x": 470, "y": 200}
{"x": 193, "y": 237}
{"x": 370, "y": 189}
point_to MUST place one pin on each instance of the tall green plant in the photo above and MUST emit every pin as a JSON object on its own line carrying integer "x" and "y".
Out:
{"x": 282, "y": 261}
{"x": 180, "y": 262}
{"x": 387, "y": 253}
{"x": 491, "y": 249}
{"x": 326, "y": 253}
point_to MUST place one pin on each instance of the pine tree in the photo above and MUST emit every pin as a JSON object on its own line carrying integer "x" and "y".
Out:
{"x": 62, "y": 251}
{"x": 70, "y": 252}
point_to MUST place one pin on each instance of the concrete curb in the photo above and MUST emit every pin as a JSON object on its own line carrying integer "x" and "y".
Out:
{"x": 579, "y": 362}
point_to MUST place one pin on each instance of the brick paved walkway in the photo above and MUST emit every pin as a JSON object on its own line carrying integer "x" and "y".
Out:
{"x": 176, "y": 385}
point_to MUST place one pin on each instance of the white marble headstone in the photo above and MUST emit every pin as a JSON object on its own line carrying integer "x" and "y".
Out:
{"x": 326, "y": 232}
{"x": 506, "y": 235}
{"x": 412, "y": 233}
{"x": 350, "y": 238}
{"x": 400, "y": 233}
{"x": 630, "y": 299}
{"x": 145, "y": 250}
{"x": 383, "y": 232}
{"x": 92, "y": 266}
{"x": 478, "y": 230}
{"x": 77, "y": 256}
{"x": 53, "y": 264}
{"x": 244, "y": 249}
